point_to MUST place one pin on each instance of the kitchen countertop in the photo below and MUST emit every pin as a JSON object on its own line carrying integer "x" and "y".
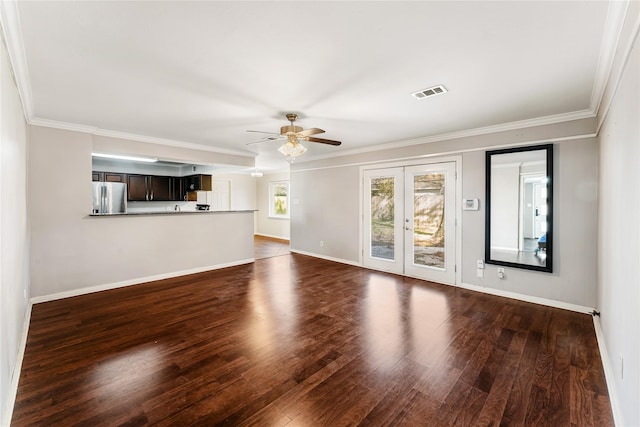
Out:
{"x": 172, "y": 212}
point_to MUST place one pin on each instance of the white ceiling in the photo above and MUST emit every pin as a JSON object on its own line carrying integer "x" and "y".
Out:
{"x": 205, "y": 72}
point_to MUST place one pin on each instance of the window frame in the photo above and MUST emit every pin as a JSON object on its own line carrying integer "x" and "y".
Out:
{"x": 272, "y": 186}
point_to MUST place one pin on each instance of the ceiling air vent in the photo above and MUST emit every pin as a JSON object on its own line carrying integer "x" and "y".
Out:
{"x": 425, "y": 93}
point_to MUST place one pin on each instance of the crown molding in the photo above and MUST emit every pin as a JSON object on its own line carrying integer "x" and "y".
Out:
{"x": 443, "y": 154}
{"x": 55, "y": 124}
{"x": 12, "y": 34}
{"x": 615, "y": 75}
{"x": 521, "y": 124}
{"x": 610, "y": 44}
{"x": 135, "y": 137}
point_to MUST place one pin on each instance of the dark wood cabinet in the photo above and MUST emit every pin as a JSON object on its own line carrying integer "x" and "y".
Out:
{"x": 108, "y": 176}
{"x": 147, "y": 188}
{"x": 150, "y": 188}
{"x": 160, "y": 187}
{"x": 137, "y": 188}
{"x": 114, "y": 177}
{"x": 178, "y": 191}
{"x": 198, "y": 183}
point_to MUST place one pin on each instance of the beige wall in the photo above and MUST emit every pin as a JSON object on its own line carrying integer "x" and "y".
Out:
{"x": 243, "y": 190}
{"x": 575, "y": 223}
{"x": 330, "y": 202}
{"x": 14, "y": 234}
{"x": 327, "y": 211}
{"x": 72, "y": 252}
{"x": 619, "y": 234}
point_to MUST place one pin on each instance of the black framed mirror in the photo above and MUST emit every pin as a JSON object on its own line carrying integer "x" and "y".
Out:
{"x": 519, "y": 207}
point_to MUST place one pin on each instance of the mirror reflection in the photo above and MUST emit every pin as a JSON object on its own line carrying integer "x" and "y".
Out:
{"x": 519, "y": 207}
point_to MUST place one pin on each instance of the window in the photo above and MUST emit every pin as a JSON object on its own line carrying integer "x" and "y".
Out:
{"x": 279, "y": 199}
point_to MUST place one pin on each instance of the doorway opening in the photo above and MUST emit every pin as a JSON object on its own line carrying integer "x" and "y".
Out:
{"x": 267, "y": 247}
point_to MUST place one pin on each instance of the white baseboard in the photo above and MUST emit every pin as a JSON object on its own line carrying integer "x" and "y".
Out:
{"x": 15, "y": 376}
{"x": 485, "y": 290}
{"x": 136, "y": 281}
{"x": 272, "y": 236}
{"x": 609, "y": 373}
{"x": 328, "y": 258}
{"x": 527, "y": 298}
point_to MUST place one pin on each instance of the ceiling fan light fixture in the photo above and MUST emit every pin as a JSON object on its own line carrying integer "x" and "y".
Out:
{"x": 292, "y": 148}
{"x": 294, "y": 134}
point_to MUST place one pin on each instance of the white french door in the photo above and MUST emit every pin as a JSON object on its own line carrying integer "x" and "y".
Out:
{"x": 409, "y": 221}
{"x": 383, "y": 230}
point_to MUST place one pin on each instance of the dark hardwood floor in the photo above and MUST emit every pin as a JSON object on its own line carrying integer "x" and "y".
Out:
{"x": 266, "y": 247}
{"x": 297, "y": 341}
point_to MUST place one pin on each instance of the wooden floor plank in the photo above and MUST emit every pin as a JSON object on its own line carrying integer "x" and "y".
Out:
{"x": 294, "y": 340}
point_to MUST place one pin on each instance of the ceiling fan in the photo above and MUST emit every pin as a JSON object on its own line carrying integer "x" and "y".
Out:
{"x": 294, "y": 134}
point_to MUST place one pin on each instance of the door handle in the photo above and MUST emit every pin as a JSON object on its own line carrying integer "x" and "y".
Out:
{"x": 103, "y": 199}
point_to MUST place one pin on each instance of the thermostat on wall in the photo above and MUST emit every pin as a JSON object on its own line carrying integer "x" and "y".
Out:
{"x": 470, "y": 204}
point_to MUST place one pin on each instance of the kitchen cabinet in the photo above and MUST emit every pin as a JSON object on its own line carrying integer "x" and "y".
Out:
{"x": 161, "y": 188}
{"x": 198, "y": 182}
{"x": 149, "y": 188}
{"x": 137, "y": 188}
{"x": 177, "y": 191}
{"x": 108, "y": 176}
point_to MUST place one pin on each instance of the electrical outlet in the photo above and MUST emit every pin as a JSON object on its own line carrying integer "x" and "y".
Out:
{"x": 500, "y": 273}
{"x": 480, "y": 263}
{"x": 480, "y": 272}
{"x": 322, "y": 243}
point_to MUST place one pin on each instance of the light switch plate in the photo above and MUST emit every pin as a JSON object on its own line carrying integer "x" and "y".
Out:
{"x": 470, "y": 204}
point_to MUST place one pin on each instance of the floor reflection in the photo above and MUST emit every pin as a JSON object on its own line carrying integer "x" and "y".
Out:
{"x": 403, "y": 320}
{"x": 429, "y": 317}
{"x": 385, "y": 335}
{"x": 273, "y": 305}
{"x": 130, "y": 371}
{"x": 520, "y": 257}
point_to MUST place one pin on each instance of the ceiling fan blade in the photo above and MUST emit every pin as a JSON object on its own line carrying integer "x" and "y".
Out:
{"x": 259, "y": 131}
{"x": 267, "y": 139}
{"x": 322, "y": 140}
{"x": 312, "y": 131}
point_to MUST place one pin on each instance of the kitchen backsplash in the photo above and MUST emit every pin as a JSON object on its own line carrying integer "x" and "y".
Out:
{"x": 137, "y": 207}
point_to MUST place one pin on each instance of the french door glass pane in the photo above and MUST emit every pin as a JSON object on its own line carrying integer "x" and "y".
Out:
{"x": 382, "y": 218}
{"x": 428, "y": 220}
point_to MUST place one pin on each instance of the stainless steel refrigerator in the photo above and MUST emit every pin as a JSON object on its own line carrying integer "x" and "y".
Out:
{"x": 109, "y": 198}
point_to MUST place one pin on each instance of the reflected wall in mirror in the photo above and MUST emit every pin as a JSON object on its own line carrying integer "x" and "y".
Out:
{"x": 519, "y": 207}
